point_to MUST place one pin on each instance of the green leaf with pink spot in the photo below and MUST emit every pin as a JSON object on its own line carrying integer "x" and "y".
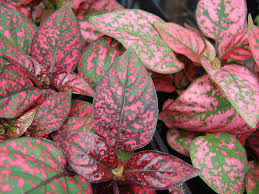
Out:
{"x": 253, "y": 38}
{"x": 222, "y": 162}
{"x": 36, "y": 165}
{"x": 252, "y": 178}
{"x": 81, "y": 108}
{"x": 219, "y": 19}
{"x": 240, "y": 86}
{"x": 134, "y": 28}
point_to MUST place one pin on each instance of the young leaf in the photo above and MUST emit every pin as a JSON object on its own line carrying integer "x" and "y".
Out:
{"x": 97, "y": 58}
{"x": 89, "y": 155}
{"x": 180, "y": 140}
{"x": 240, "y": 87}
{"x": 36, "y": 165}
{"x": 125, "y": 104}
{"x": 18, "y": 29}
{"x": 72, "y": 82}
{"x": 182, "y": 40}
{"x": 252, "y": 178}
{"x": 51, "y": 114}
{"x": 236, "y": 47}
{"x": 57, "y": 43}
{"x": 219, "y": 19}
{"x": 163, "y": 82}
{"x": 156, "y": 170}
{"x": 253, "y": 39}
{"x": 203, "y": 107}
{"x": 81, "y": 108}
{"x": 17, "y": 127}
{"x": 134, "y": 28}
{"x": 222, "y": 161}
{"x": 14, "y": 105}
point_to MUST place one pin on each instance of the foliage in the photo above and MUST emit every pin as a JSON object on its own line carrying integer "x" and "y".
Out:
{"x": 96, "y": 48}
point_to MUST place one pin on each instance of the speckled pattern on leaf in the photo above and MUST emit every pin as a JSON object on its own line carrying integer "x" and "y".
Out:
{"x": 134, "y": 28}
{"x": 253, "y": 38}
{"x": 222, "y": 161}
{"x": 252, "y": 178}
{"x": 89, "y": 155}
{"x": 125, "y": 104}
{"x": 157, "y": 170}
{"x": 219, "y": 19}
{"x": 81, "y": 108}
{"x": 36, "y": 165}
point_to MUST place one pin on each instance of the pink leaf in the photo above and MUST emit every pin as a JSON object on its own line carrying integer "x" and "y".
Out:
{"x": 163, "y": 82}
{"x": 220, "y": 19}
{"x": 89, "y": 155}
{"x": 203, "y": 107}
{"x": 240, "y": 87}
{"x": 253, "y": 38}
{"x": 252, "y": 178}
{"x": 134, "y": 28}
{"x": 156, "y": 170}
{"x": 72, "y": 82}
{"x": 125, "y": 104}
{"x": 81, "y": 108}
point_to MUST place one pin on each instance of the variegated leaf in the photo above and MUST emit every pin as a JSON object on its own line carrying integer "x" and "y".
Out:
{"x": 252, "y": 178}
{"x": 219, "y": 19}
{"x": 253, "y": 39}
{"x": 134, "y": 28}
{"x": 125, "y": 104}
{"x": 81, "y": 108}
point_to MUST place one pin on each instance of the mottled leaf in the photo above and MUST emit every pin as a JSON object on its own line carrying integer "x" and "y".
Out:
{"x": 14, "y": 105}
{"x": 220, "y": 19}
{"x": 253, "y": 39}
{"x": 134, "y": 28}
{"x": 92, "y": 8}
{"x": 240, "y": 87}
{"x": 24, "y": 10}
{"x": 156, "y": 170}
{"x": 51, "y": 114}
{"x": 236, "y": 47}
{"x": 135, "y": 189}
{"x": 253, "y": 144}
{"x": 36, "y": 165}
{"x": 180, "y": 140}
{"x": 222, "y": 162}
{"x": 89, "y": 155}
{"x": 182, "y": 40}
{"x": 18, "y": 29}
{"x": 125, "y": 104}
{"x": 203, "y": 107}
{"x": 80, "y": 108}
{"x": 57, "y": 43}
{"x": 73, "y": 3}
{"x": 252, "y": 178}
{"x": 17, "y": 127}
{"x": 7, "y": 47}
{"x": 97, "y": 58}
{"x": 72, "y": 82}
{"x": 163, "y": 82}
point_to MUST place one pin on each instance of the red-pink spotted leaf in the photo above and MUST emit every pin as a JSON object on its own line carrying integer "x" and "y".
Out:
{"x": 35, "y": 165}
{"x": 17, "y": 127}
{"x": 203, "y": 107}
{"x": 252, "y": 178}
{"x": 14, "y": 105}
{"x": 51, "y": 114}
{"x": 12, "y": 80}
{"x": 97, "y": 58}
{"x": 236, "y": 47}
{"x": 163, "y": 82}
{"x": 182, "y": 40}
{"x": 81, "y": 108}
{"x": 134, "y": 189}
{"x": 240, "y": 87}
{"x": 17, "y": 28}
{"x": 24, "y": 10}
{"x": 89, "y": 155}
{"x": 157, "y": 170}
{"x": 253, "y": 144}
{"x": 72, "y": 82}
{"x": 222, "y": 162}
{"x": 134, "y": 28}
{"x": 253, "y": 39}
{"x": 125, "y": 104}
{"x": 219, "y": 19}
{"x": 84, "y": 124}
{"x": 73, "y": 3}
{"x": 180, "y": 140}
{"x": 57, "y": 43}
{"x": 92, "y": 8}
